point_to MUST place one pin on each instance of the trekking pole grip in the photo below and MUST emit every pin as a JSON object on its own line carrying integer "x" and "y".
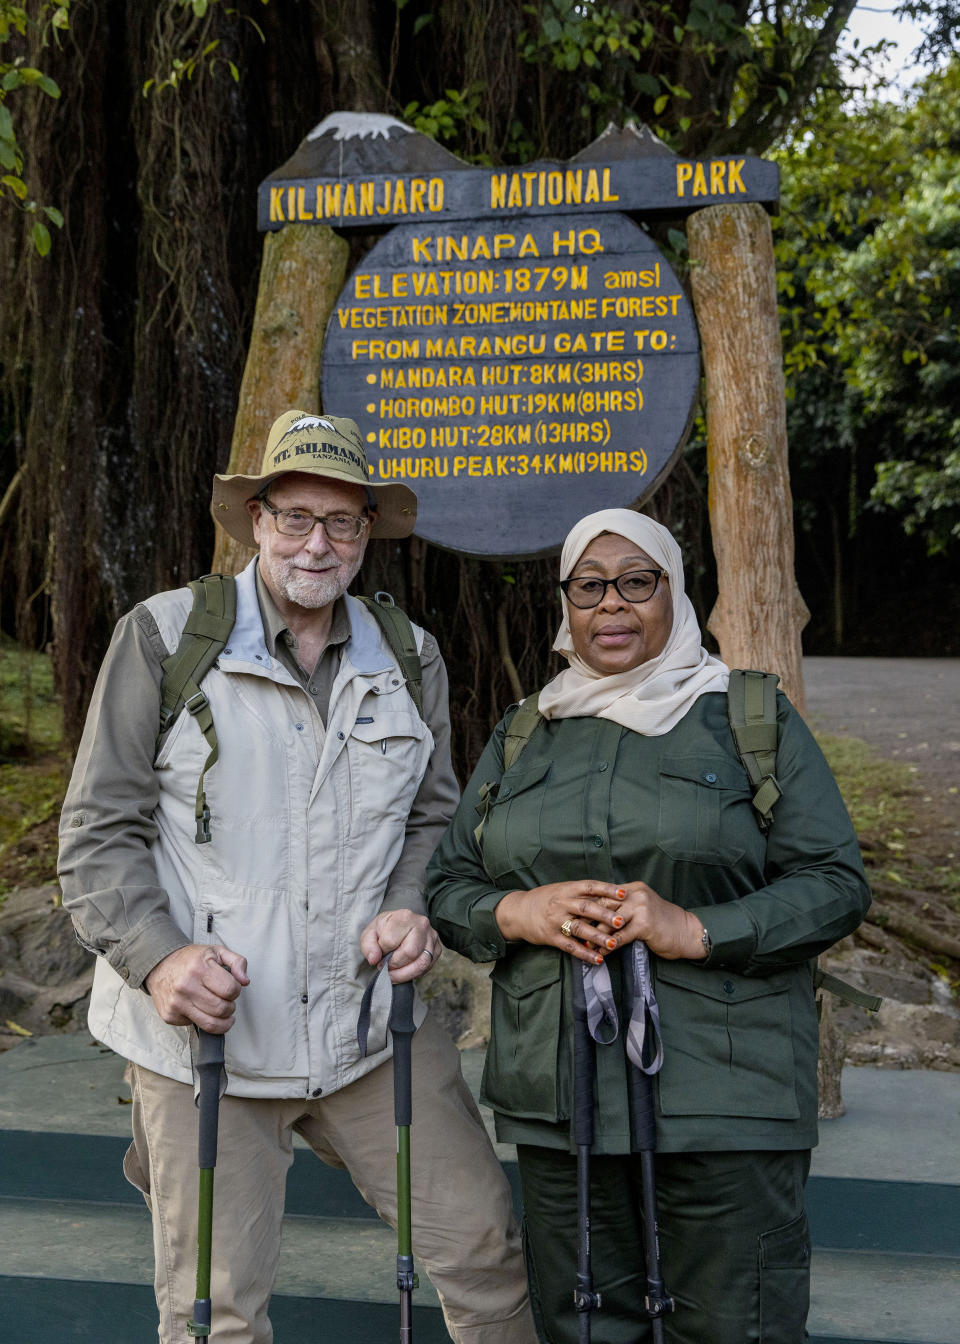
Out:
{"x": 209, "y": 1064}
{"x": 402, "y": 1027}
{"x": 583, "y": 1063}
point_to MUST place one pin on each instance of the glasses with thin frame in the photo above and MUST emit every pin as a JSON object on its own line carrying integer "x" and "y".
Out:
{"x": 300, "y": 522}
{"x": 637, "y": 585}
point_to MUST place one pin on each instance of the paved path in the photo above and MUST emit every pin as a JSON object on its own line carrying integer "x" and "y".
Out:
{"x": 908, "y": 708}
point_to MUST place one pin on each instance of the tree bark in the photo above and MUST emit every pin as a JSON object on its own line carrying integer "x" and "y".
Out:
{"x": 759, "y": 612}
{"x": 303, "y": 271}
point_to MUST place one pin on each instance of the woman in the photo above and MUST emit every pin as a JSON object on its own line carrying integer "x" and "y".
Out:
{"x": 628, "y": 818}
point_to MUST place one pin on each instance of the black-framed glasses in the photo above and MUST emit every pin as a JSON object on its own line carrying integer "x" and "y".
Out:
{"x": 300, "y": 523}
{"x": 637, "y": 585}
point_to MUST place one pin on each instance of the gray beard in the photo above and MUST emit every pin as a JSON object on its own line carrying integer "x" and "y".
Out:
{"x": 318, "y": 589}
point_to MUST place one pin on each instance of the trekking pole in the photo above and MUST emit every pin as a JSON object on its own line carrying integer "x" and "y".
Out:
{"x": 402, "y": 1027}
{"x": 209, "y": 1065}
{"x": 585, "y": 1298}
{"x": 643, "y": 1140}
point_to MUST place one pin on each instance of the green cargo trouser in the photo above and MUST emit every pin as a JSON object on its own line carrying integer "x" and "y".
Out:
{"x": 734, "y": 1246}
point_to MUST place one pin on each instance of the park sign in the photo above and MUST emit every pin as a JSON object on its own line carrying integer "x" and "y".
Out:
{"x": 516, "y": 348}
{"x": 357, "y": 170}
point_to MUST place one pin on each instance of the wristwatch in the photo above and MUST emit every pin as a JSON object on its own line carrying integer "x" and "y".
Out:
{"x": 707, "y": 944}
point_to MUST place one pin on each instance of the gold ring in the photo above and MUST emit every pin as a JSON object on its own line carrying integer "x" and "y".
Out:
{"x": 567, "y": 928}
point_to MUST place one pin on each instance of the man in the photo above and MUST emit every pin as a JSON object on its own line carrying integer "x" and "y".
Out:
{"x": 327, "y": 798}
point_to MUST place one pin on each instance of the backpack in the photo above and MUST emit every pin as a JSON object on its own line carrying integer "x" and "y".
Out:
{"x": 203, "y": 639}
{"x": 752, "y": 709}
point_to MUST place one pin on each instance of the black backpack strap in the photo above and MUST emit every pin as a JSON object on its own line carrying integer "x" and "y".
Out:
{"x": 752, "y": 707}
{"x": 398, "y": 632}
{"x": 204, "y": 637}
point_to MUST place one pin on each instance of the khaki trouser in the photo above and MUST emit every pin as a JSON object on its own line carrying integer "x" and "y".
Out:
{"x": 463, "y": 1227}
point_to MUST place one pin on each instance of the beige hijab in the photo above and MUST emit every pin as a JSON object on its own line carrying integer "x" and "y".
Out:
{"x": 653, "y": 697}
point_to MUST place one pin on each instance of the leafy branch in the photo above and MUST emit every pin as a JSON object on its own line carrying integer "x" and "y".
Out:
{"x": 17, "y": 77}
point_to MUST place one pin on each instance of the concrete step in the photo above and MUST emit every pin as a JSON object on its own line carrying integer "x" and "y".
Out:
{"x": 884, "y": 1205}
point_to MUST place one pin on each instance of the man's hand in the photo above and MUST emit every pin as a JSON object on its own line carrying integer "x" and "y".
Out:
{"x": 198, "y": 984}
{"x": 411, "y": 938}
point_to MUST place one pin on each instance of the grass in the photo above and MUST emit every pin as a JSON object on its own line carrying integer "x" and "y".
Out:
{"x": 880, "y": 795}
{"x": 33, "y": 768}
{"x": 901, "y": 838}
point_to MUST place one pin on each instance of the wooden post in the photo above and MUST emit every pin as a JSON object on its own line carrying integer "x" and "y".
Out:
{"x": 303, "y": 271}
{"x": 759, "y": 612}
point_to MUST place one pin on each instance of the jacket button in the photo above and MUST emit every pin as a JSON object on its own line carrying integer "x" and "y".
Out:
{"x": 602, "y": 766}
{"x": 299, "y": 727}
{"x": 340, "y": 736}
{"x": 728, "y": 987}
{"x": 710, "y": 778}
{"x": 125, "y": 972}
{"x": 598, "y": 841}
{"x": 317, "y": 1091}
{"x": 304, "y": 998}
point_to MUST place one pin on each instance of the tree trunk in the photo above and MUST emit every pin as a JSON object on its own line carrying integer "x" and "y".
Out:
{"x": 759, "y": 612}
{"x": 303, "y": 271}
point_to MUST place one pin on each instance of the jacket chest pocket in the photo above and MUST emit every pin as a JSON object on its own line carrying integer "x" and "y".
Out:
{"x": 511, "y": 839}
{"x": 388, "y": 750}
{"x": 705, "y": 812}
{"x": 727, "y": 1043}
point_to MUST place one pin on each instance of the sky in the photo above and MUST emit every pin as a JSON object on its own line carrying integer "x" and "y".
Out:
{"x": 875, "y": 20}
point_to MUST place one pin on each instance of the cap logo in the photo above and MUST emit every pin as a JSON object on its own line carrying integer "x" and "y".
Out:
{"x": 309, "y": 422}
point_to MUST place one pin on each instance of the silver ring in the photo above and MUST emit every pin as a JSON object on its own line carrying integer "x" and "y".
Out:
{"x": 429, "y": 953}
{"x": 567, "y": 928}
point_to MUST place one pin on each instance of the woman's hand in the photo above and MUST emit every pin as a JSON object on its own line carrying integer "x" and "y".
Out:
{"x": 590, "y": 911}
{"x": 667, "y": 930}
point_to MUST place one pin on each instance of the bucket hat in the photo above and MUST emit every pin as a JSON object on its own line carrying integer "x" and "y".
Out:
{"x": 319, "y": 445}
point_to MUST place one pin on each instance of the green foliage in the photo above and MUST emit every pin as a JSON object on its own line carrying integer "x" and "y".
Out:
{"x": 927, "y": 493}
{"x": 16, "y": 79}
{"x": 624, "y": 58}
{"x": 446, "y": 119}
{"x": 869, "y": 269}
{"x": 207, "y": 55}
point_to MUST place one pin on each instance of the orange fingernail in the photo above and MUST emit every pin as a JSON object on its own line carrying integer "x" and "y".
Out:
{"x": 598, "y": 959}
{"x": 620, "y": 893}
{"x": 611, "y": 944}
{"x": 618, "y": 921}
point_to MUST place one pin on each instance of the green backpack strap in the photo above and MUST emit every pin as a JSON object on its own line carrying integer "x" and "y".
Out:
{"x": 204, "y": 637}
{"x": 519, "y": 731}
{"x": 843, "y": 990}
{"x": 752, "y": 707}
{"x": 521, "y": 728}
{"x": 398, "y": 632}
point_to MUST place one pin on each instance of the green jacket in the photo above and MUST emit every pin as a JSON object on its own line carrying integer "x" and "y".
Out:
{"x": 588, "y": 798}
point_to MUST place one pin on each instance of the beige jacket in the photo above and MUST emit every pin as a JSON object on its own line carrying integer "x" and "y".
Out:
{"x": 308, "y": 825}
